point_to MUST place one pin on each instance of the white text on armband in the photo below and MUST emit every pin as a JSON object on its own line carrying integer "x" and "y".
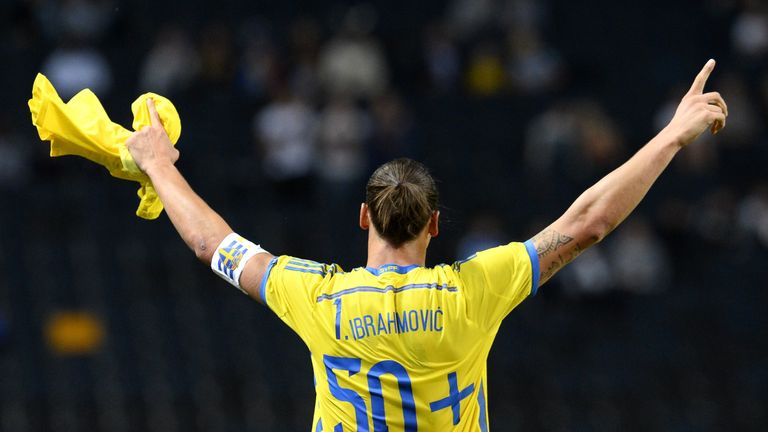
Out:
{"x": 231, "y": 255}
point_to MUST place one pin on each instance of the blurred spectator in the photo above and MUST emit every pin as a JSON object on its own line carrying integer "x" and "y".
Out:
{"x": 216, "y": 54}
{"x": 591, "y": 274}
{"x": 467, "y": 17}
{"x": 352, "y": 64}
{"x": 714, "y": 219}
{"x": 752, "y": 214}
{"x": 286, "y": 130}
{"x": 602, "y": 140}
{"x": 305, "y": 50}
{"x": 172, "y": 64}
{"x": 441, "y": 58}
{"x": 74, "y": 333}
{"x": 258, "y": 71}
{"x": 83, "y": 20}
{"x": 484, "y": 232}
{"x": 14, "y": 160}
{"x": 742, "y": 127}
{"x": 577, "y": 140}
{"x": 72, "y": 68}
{"x": 749, "y": 33}
{"x": 485, "y": 70}
{"x": 393, "y": 130}
{"x": 343, "y": 131}
{"x": 533, "y": 67}
{"x": 638, "y": 259}
{"x": 549, "y": 134}
{"x": 526, "y": 15}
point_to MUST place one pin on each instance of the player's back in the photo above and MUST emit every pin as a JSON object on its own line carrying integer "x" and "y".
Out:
{"x": 400, "y": 348}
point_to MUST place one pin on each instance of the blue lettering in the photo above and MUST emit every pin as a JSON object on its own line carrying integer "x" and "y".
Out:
{"x": 359, "y": 328}
{"x": 351, "y": 327}
{"x": 402, "y": 326}
{"x": 382, "y": 325}
{"x": 413, "y": 319}
{"x": 368, "y": 320}
{"x": 397, "y": 322}
{"x": 426, "y": 316}
{"x": 391, "y": 320}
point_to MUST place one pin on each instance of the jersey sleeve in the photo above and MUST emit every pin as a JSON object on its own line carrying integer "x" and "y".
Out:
{"x": 290, "y": 288}
{"x": 496, "y": 280}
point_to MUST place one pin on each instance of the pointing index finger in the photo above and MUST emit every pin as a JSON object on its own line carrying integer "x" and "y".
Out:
{"x": 701, "y": 79}
{"x": 154, "y": 117}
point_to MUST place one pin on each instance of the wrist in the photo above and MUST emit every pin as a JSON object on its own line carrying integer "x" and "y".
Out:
{"x": 156, "y": 169}
{"x": 668, "y": 137}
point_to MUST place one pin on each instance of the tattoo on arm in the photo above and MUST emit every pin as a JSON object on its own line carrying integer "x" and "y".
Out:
{"x": 550, "y": 242}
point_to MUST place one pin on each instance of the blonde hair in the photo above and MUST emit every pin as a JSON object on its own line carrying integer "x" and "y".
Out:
{"x": 401, "y": 196}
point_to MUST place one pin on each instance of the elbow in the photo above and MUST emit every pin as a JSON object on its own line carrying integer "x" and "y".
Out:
{"x": 597, "y": 228}
{"x": 204, "y": 249}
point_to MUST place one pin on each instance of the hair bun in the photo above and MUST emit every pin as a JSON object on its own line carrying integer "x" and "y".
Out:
{"x": 401, "y": 197}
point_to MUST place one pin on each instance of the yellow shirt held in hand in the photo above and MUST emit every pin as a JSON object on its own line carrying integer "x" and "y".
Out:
{"x": 81, "y": 127}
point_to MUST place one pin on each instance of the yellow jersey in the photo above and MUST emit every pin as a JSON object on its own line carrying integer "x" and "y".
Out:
{"x": 401, "y": 348}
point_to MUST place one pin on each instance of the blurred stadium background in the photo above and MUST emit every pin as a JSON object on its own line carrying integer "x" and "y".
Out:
{"x": 108, "y": 323}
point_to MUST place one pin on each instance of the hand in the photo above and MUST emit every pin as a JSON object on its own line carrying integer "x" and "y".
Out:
{"x": 150, "y": 146}
{"x": 698, "y": 111}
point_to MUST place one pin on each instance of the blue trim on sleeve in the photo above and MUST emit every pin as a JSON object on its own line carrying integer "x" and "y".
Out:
{"x": 305, "y": 270}
{"x": 298, "y": 263}
{"x": 263, "y": 288}
{"x": 534, "y": 266}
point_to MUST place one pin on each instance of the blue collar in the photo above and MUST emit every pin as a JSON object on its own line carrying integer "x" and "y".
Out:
{"x": 386, "y": 268}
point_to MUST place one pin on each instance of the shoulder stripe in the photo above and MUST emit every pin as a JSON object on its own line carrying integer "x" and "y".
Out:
{"x": 386, "y": 289}
{"x": 305, "y": 261}
{"x": 304, "y": 264}
{"x": 457, "y": 264}
{"x": 305, "y": 270}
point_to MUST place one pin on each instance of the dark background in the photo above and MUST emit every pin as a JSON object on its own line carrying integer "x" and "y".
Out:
{"x": 516, "y": 106}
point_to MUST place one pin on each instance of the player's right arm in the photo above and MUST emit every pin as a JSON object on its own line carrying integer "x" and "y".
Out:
{"x": 201, "y": 228}
{"x": 605, "y": 205}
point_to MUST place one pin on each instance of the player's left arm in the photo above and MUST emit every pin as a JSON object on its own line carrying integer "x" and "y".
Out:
{"x": 606, "y": 204}
{"x": 201, "y": 228}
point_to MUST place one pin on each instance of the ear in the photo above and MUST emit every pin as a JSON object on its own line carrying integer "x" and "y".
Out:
{"x": 365, "y": 221}
{"x": 434, "y": 222}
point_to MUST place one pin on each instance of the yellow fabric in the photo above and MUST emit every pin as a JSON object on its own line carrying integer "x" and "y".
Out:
{"x": 81, "y": 127}
{"x": 410, "y": 334}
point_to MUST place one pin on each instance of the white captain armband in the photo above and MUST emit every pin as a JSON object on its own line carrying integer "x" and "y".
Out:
{"x": 231, "y": 255}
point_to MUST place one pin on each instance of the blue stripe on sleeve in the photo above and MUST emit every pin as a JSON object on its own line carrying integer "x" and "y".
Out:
{"x": 534, "y": 266}
{"x": 263, "y": 288}
{"x": 297, "y": 263}
{"x": 305, "y": 270}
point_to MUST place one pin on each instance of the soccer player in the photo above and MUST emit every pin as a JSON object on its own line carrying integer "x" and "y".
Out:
{"x": 396, "y": 345}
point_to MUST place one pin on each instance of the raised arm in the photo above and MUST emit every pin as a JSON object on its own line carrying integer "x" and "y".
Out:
{"x": 201, "y": 228}
{"x": 605, "y": 205}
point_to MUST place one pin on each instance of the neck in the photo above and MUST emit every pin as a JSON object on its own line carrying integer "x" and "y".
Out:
{"x": 380, "y": 252}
